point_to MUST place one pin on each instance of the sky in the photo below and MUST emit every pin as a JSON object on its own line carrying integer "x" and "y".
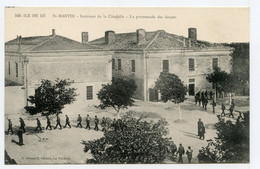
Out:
{"x": 213, "y": 24}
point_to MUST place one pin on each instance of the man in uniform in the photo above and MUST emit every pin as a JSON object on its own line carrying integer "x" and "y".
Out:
{"x": 88, "y": 122}
{"x": 231, "y": 109}
{"x": 200, "y": 124}
{"x": 39, "y": 126}
{"x": 96, "y": 121}
{"x": 223, "y": 107}
{"x": 180, "y": 151}
{"x": 104, "y": 124}
{"x": 58, "y": 122}
{"x": 205, "y": 102}
{"x": 20, "y": 136}
{"x": 22, "y": 125}
{"x": 189, "y": 154}
{"x": 48, "y": 123}
{"x": 10, "y": 127}
{"x": 67, "y": 121}
{"x": 199, "y": 98}
{"x": 79, "y": 120}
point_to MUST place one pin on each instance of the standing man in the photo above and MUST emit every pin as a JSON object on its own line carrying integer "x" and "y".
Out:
{"x": 48, "y": 123}
{"x": 79, "y": 120}
{"x": 205, "y": 102}
{"x": 20, "y": 136}
{"x": 189, "y": 154}
{"x": 88, "y": 122}
{"x": 203, "y": 99}
{"x": 213, "y": 105}
{"x": 22, "y": 124}
{"x": 39, "y": 126}
{"x": 58, "y": 122}
{"x": 200, "y": 125}
{"x": 96, "y": 121}
{"x": 10, "y": 127}
{"x": 180, "y": 151}
{"x": 67, "y": 121}
{"x": 196, "y": 98}
{"x": 223, "y": 107}
{"x": 202, "y": 135}
{"x": 199, "y": 98}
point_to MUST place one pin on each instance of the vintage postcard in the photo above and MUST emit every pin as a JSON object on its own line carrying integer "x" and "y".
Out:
{"x": 126, "y": 85}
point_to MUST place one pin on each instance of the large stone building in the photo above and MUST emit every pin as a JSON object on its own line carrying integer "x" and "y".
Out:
{"x": 30, "y": 59}
{"x": 144, "y": 55}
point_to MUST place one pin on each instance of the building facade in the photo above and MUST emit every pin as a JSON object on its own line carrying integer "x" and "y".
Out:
{"x": 143, "y": 55}
{"x": 30, "y": 59}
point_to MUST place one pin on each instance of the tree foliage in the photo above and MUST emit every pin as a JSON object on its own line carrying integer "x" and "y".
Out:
{"x": 230, "y": 146}
{"x": 240, "y": 66}
{"x": 138, "y": 142}
{"x": 52, "y": 96}
{"x": 221, "y": 80}
{"x": 171, "y": 87}
{"x": 117, "y": 94}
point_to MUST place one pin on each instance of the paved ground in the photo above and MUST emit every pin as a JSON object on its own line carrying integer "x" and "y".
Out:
{"x": 64, "y": 146}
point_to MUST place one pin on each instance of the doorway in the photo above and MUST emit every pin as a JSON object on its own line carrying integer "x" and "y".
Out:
{"x": 191, "y": 89}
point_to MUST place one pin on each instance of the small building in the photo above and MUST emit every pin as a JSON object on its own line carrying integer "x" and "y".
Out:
{"x": 144, "y": 55}
{"x": 30, "y": 59}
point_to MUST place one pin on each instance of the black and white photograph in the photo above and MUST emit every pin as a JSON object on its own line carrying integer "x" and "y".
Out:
{"x": 126, "y": 85}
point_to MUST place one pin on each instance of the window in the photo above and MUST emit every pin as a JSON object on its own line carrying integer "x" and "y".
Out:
{"x": 16, "y": 69}
{"x": 214, "y": 62}
{"x": 191, "y": 80}
{"x": 9, "y": 68}
{"x": 165, "y": 65}
{"x": 89, "y": 92}
{"x": 133, "y": 65}
{"x": 119, "y": 64}
{"x": 113, "y": 63}
{"x": 191, "y": 64}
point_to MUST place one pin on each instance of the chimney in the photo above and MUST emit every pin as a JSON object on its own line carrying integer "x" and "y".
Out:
{"x": 192, "y": 34}
{"x": 19, "y": 42}
{"x": 110, "y": 37}
{"x": 140, "y": 36}
{"x": 53, "y": 32}
{"x": 84, "y": 37}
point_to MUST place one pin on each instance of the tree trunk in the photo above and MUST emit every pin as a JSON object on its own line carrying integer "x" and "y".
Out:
{"x": 230, "y": 98}
{"x": 118, "y": 114}
{"x": 180, "y": 111}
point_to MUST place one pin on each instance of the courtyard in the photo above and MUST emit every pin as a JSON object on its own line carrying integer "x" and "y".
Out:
{"x": 64, "y": 146}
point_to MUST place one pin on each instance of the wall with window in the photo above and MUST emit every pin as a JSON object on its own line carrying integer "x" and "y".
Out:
{"x": 132, "y": 66}
{"x": 14, "y": 68}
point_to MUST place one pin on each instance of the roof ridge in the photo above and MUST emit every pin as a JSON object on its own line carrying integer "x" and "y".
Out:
{"x": 155, "y": 37}
{"x": 29, "y": 49}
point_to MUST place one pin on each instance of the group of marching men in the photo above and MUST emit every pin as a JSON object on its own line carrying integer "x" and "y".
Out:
{"x": 203, "y": 97}
{"x": 105, "y": 124}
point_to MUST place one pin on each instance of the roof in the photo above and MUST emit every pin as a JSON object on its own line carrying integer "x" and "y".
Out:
{"x": 49, "y": 43}
{"x": 156, "y": 40}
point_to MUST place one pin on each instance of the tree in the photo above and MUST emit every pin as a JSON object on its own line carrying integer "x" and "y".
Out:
{"x": 117, "y": 94}
{"x": 171, "y": 89}
{"x": 231, "y": 144}
{"x": 240, "y": 66}
{"x": 139, "y": 142}
{"x": 52, "y": 96}
{"x": 221, "y": 80}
